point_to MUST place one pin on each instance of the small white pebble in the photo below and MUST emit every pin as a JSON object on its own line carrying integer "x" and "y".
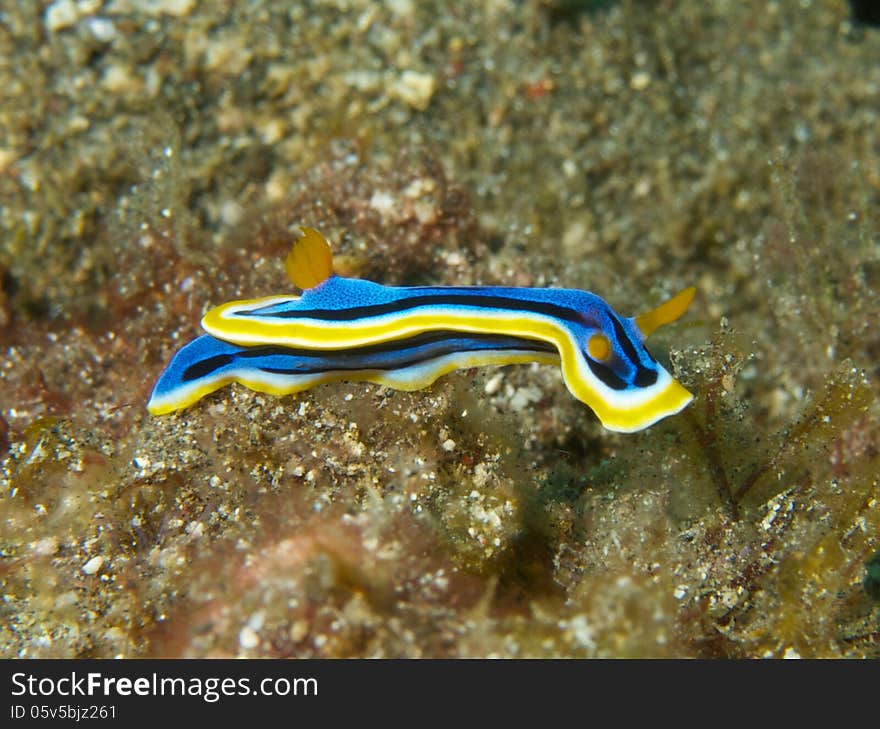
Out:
{"x": 494, "y": 383}
{"x": 255, "y": 621}
{"x": 231, "y": 212}
{"x": 60, "y": 15}
{"x": 414, "y": 89}
{"x": 272, "y": 131}
{"x": 248, "y": 638}
{"x": 525, "y": 396}
{"x": 449, "y": 445}
{"x": 299, "y": 630}
{"x": 640, "y": 81}
{"x": 88, "y": 7}
{"x": 102, "y": 28}
{"x": 65, "y": 600}
{"x": 419, "y": 187}
{"x": 45, "y": 547}
{"x": 382, "y": 202}
{"x": 118, "y": 78}
{"x": 177, "y": 8}
{"x": 93, "y": 565}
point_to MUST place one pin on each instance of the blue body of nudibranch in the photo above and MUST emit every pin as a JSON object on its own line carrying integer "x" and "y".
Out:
{"x": 405, "y": 337}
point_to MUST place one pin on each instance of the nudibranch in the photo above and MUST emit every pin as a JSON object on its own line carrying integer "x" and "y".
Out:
{"x": 406, "y": 337}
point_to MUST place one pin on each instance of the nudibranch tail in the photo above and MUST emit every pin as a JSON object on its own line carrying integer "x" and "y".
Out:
{"x": 405, "y": 337}
{"x": 206, "y": 364}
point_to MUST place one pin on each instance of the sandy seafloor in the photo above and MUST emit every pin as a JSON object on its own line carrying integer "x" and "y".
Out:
{"x": 157, "y": 158}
